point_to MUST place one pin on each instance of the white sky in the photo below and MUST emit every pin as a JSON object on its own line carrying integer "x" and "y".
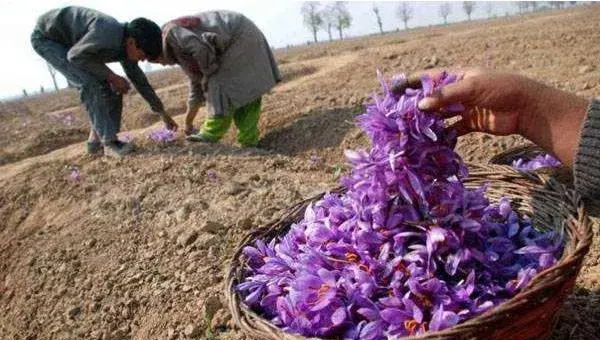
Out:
{"x": 280, "y": 20}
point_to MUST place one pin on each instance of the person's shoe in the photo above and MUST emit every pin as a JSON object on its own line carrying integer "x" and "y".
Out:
{"x": 118, "y": 149}
{"x": 189, "y": 132}
{"x": 93, "y": 148}
{"x": 198, "y": 137}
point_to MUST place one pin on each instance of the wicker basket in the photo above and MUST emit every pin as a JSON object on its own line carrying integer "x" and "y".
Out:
{"x": 529, "y": 315}
{"x": 526, "y": 152}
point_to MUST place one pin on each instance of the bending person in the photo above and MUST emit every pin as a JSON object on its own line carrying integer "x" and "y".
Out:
{"x": 230, "y": 66}
{"x": 78, "y": 42}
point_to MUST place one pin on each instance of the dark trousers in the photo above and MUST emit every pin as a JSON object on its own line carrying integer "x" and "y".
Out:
{"x": 104, "y": 106}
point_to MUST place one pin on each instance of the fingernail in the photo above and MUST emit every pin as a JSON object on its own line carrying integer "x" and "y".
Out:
{"x": 425, "y": 104}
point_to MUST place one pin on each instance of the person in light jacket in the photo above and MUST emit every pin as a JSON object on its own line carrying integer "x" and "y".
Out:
{"x": 78, "y": 42}
{"x": 230, "y": 66}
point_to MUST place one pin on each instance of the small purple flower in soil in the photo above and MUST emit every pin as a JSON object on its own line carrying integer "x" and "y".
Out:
{"x": 74, "y": 174}
{"x": 162, "y": 135}
{"x": 315, "y": 160}
{"x": 125, "y": 137}
{"x": 540, "y": 161}
{"x": 407, "y": 248}
{"x": 64, "y": 118}
{"x": 212, "y": 175}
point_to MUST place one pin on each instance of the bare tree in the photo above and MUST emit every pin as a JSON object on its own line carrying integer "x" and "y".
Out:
{"x": 404, "y": 13}
{"x": 519, "y": 5}
{"x": 557, "y": 4}
{"x": 378, "y": 16}
{"x": 445, "y": 10}
{"x": 534, "y": 5}
{"x": 469, "y": 7}
{"x": 52, "y": 71}
{"x": 343, "y": 19}
{"x": 312, "y": 17}
{"x": 329, "y": 19}
{"x": 489, "y": 7}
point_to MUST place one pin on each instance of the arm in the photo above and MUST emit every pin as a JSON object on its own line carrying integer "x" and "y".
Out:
{"x": 139, "y": 80}
{"x": 586, "y": 169}
{"x": 196, "y": 99}
{"x": 198, "y": 59}
{"x": 555, "y": 122}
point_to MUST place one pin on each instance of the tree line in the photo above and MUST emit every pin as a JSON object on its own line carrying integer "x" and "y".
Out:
{"x": 335, "y": 15}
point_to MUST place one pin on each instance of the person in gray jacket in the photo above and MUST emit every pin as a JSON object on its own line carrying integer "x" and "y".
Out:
{"x": 562, "y": 123}
{"x": 230, "y": 66}
{"x": 78, "y": 42}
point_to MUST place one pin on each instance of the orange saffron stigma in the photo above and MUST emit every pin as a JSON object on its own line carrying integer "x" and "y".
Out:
{"x": 351, "y": 257}
{"x": 322, "y": 290}
{"x": 411, "y": 326}
{"x": 402, "y": 268}
{"x": 426, "y": 302}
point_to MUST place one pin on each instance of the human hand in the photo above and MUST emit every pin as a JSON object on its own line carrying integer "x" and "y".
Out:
{"x": 170, "y": 124}
{"x": 505, "y": 103}
{"x": 494, "y": 102}
{"x": 118, "y": 84}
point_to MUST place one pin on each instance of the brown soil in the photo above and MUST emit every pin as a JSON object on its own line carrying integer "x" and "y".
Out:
{"x": 138, "y": 248}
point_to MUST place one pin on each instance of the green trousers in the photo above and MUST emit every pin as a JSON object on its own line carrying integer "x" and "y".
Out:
{"x": 245, "y": 118}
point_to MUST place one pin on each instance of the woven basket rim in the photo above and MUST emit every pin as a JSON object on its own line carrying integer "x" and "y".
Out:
{"x": 526, "y": 151}
{"x": 577, "y": 245}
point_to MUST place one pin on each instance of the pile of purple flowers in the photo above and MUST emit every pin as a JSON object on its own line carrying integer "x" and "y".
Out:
{"x": 540, "y": 161}
{"x": 406, "y": 249}
{"x": 162, "y": 135}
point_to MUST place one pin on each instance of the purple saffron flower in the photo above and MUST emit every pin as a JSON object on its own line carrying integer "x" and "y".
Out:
{"x": 212, "y": 175}
{"x": 540, "y": 161}
{"x": 162, "y": 135}
{"x": 442, "y": 319}
{"x": 74, "y": 174}
{"x": 315, "y": 292}
{"x": 405, "y": 318}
